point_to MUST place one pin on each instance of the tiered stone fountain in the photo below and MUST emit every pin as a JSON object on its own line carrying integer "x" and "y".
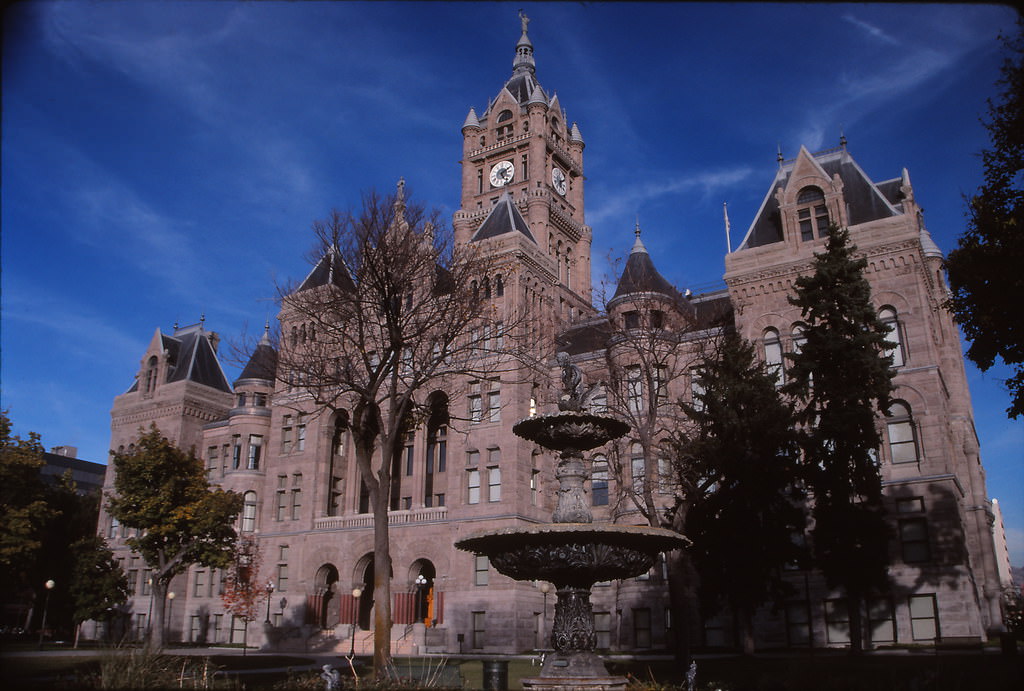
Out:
{"x": 572, "y": 552}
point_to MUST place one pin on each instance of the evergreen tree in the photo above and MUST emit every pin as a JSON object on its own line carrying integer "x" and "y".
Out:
{"x": 842, "y": 379}
{"x": 163, "y": 493}
{"x": 984, "y": 270}
{"x": 736, "y": 470}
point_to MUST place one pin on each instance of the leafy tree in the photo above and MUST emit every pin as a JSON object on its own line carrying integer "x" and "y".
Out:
{"x": 984, "y": 271}
{"x": 243, "y": 591}
{"x": 736, "y": 470}
{"x": 842, "y": 379}
{"x": 399, "y": 316}
{"x": 24, "y": 511}
{"x": 163, "y": 493}
{"x": 99, "y": 585}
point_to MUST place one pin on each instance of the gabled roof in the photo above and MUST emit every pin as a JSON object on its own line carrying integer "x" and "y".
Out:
{"x": 865, "y": 200}
{"x": 330, "y": 270}
{"x": 503, "y": 219}
{"x": 263, "y": 363}
{"x": 640, "y": 275}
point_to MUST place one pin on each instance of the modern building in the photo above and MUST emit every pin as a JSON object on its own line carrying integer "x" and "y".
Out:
{"x": 522, "y": 202}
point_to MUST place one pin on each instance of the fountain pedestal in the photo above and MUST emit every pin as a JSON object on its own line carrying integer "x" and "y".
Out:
{"x": 572, "y": 552}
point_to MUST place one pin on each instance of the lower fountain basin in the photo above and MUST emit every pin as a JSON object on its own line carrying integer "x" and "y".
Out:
{"x": 573, "y": 554}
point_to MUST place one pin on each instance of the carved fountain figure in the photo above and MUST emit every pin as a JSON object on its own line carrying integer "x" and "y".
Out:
{"x": 572, "y": 552}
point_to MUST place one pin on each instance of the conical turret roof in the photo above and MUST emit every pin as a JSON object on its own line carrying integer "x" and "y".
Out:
{"x": 640, "y": 274}
{"x": 263, "y": 363}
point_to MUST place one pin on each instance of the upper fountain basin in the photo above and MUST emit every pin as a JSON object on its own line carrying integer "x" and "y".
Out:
{"x": 570, "y": 430}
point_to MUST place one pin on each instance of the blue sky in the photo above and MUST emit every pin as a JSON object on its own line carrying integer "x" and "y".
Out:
{"x": 163, "y": 160}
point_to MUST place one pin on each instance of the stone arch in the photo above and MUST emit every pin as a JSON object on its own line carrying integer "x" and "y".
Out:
{"x": 326, "y": 603}
{"x": 422, "y": 578}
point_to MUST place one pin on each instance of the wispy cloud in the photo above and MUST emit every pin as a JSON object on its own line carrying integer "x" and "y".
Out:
{"x": 871, "y": 30}
{"x": 631, "y": 199}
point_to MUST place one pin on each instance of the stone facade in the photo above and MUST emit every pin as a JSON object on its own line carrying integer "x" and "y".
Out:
{"x": 522, "y": 202}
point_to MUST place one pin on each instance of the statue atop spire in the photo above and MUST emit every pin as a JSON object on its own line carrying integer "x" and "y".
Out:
{"x": 524, "y": 49}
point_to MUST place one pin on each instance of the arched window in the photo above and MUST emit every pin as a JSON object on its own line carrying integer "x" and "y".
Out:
{"x": 599, "y": 481}
{"x": 568, "y": 267}
{"x": 499, "y": 286}
{"x": 248, "y": 512}
{"x": 902, "y": 435}
{"x": 887, "y": 315}
{"x": 295, "y": 335}
{"x": 773, "y": 354}
{"x": 487, "y": 287}
{"x": 504, "y": 115}
{"x": 811, "y": 213}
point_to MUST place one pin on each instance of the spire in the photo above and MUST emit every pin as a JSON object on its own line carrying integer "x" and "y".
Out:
{"x": 399, "y": 205}
{"x": 638, "y": 245}
{"x": 524, "y": 49}
{"x": 575, "y": 135}
{"x": 265, "y": 338}
{"x": 471, "y": 120}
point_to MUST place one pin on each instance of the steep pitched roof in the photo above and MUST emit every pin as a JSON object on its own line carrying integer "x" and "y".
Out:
{"x": 640, "y": 275}
{"x": 330, "y": 270}
{"x": 263, "y": 363}
{"x": 503, "y": 219}
{"x": 866, "y": 200}
{"x": 191, "y": 356}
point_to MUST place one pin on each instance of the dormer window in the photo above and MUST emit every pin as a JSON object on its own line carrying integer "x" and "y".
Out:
{"x": 151, "y": 371}
{"x": 811, "y": 213}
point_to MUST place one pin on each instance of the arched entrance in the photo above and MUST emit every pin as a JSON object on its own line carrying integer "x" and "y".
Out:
{"x": 326, "y": 604}
{"x": 364, "y": 617}
{"x": 423, "y": 575}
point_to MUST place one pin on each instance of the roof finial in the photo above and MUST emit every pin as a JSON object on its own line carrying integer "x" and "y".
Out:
{"x": 636, "y": 231}
{"x": 202, "y": 318}
{"x": 638, "y": 245}
{"x": 400, "y": 191}
{"x": 778, "y": 155}
{"x": 524, "y": 20}
{"x": 842, "y": 138}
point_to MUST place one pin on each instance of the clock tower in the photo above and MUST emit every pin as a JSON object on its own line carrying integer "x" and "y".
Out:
{"x": 522, "y": 190}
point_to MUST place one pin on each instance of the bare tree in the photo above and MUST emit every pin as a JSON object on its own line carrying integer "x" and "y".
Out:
{"x": 391, "y": 314}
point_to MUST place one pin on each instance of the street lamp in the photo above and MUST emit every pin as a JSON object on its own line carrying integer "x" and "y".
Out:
{"x": 170, "y": 611}
{"x": 42, "y": 629}
{"x": 270, "y": 591}
{"x": 356, "y": 592}
{"x": 421, "y": 583}
{"x": 545, "y": 588}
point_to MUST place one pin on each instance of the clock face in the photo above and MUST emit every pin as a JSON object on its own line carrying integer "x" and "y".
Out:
{"x": 502, "y": 173}
{"x": 558, "y": 180}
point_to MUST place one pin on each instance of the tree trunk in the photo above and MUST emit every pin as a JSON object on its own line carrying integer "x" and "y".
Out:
{"x": 155, "y": 640}
{"x": 856, "y": 625}
{"x": 682, "y": 592}
{"x": 381, "y": 584}
{"x": 745, "y": 628}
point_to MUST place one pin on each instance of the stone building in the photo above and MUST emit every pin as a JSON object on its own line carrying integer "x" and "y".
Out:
{"x": 522, "y": 202}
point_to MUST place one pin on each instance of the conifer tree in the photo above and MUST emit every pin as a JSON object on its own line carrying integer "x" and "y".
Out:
{"x": 842, "y": 379}
{"x": 735, "y": 467}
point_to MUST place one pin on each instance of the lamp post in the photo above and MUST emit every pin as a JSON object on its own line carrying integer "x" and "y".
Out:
{"x": 421, "y": 583}
{"x": 42, "y": 629}
{"x": 270, "y": 591}
{"x": 356, "y": 592}
{"x": 545, "y": 588}
{"x": 170, "y": 611}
